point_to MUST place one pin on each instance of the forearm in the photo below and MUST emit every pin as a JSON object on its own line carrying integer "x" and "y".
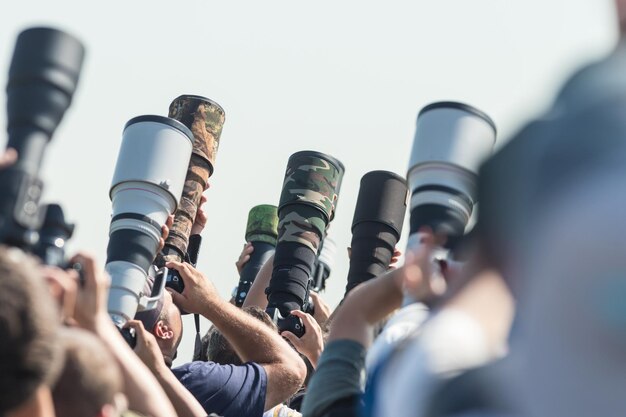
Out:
{"x": 256, "y": 296}
{"x": 240, "y": 328}
{"x": 352, "y": 321}
{"x": 183, "y": 401}
{"x": 144, "y": 393}
{"x": 338, "y": 379}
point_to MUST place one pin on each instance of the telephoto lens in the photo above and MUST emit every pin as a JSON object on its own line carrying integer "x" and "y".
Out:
{"x": 147, "y": 184}
{"x": 307, "y": 205}
{"x": 205, "y": 119}
{"x": 376, "y": 226}
{"x": 451, "y": 141}
{"x": 262, "y": 232}
{"x": 323, "y": 267}
{"x": 43, "y": 76}
{"x": 53, "y": 235}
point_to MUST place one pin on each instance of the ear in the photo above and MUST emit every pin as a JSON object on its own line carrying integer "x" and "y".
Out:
{"x": 163, "y": 331}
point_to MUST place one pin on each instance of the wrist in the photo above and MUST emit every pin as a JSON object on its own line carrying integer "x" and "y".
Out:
{"x": 314, "y": 358}
{"x": 160, "y": 370}
{"x": 100, "y": 325}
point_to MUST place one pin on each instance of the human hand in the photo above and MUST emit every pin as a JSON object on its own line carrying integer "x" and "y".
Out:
{"x": 311, "y": 344}
{"x": 199, "y": 293}
{"x": 8, "y": 158}
{"x": 63, "y": 288}
{"x": 201, "y": 218}
{"x": 322, "y": 311}
{"x": 146, "y": 347}
{"x": 423, "y": 279}
{"x": 165, "y": 232}
{"x": 91, "y": 299}
{"x": 394, "y": 259}
{"x": 245, "y": 256}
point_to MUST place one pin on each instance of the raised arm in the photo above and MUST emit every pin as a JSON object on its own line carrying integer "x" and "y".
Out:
{"x": 336, "y": 384}
{"x": 256, "y": 296}
{"x": 144, "y": 393}
{"x": 252, "y": 340}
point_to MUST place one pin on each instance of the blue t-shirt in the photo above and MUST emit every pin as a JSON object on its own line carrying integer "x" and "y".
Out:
{"x": 227, "y": 390}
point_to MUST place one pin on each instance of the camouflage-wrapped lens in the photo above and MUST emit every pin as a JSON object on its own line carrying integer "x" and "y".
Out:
{"x": 262, "y": 224}
{"x": 205, "y": 119}
{"x": 314, "y": 179}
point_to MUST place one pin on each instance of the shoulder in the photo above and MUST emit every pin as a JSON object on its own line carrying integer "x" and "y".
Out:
{"x": 199, "y": 372}
{"x": 226, "y": 389}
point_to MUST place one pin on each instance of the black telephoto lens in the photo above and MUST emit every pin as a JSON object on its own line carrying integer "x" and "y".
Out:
{"x": 377, "y": 225}
{"x": 42, "y": 79}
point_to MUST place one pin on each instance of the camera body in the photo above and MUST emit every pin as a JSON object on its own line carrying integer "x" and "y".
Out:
{"x": 289, "y": 323}
{"x": 175, "y": 281}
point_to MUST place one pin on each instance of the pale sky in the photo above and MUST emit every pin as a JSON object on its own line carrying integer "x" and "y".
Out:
{"x": 342, "y": 77}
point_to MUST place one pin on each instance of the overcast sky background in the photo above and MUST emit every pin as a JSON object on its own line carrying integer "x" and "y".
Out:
{"x": 342, "y": 77}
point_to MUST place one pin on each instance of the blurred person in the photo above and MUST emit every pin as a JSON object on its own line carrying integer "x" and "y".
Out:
{"x": 30, "y": 355}
{"x": 461, "y": 334}
{"x": 575, "y": 149}
{"x": 467, "y": 327}
{"x": 145, "y": 395}
{"x": 90, "y": 383}
{"x": 336, "y": 388}
{"x": 272, "y": 371}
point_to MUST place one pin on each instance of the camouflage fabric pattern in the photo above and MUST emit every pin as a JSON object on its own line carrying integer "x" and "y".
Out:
{"x": 195, "y": 184}
{"x": 299, "y": 228}
{"x": 205, "y": 120}
{"x": 313, "y": 180}
{"x": 262, "y": 224}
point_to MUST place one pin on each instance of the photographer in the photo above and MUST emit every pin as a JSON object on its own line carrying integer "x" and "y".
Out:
{"x": 30, "y": 355}
{"x": 272, "y": 372}
{"x": 215, "y": 348}
{"x": 143, "y": 391}
{"x": 100, "y": 391}
{"x": 565, "y": 350}
{"x": 148, "y": 350}
{"x": 336, "y": 387}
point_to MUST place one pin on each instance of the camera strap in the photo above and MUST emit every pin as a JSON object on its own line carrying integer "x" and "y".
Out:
{"x": 192, "y": 257}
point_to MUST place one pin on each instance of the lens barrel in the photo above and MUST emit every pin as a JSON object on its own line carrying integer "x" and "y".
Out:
{"x": 43, "y": 76}
{"x": 205, "y": 119}
{"x": 324, "y": 264}
{"x": 147, "y": 184}
{"x": 451, "y": 141}
{"x": 376, "y": 226}
{"x": 307, "y": 204}
{"x": 262, "y": 232}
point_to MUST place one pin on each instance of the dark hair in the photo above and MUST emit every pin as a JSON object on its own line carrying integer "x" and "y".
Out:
{"x": 90, "y": 378}
{"x": 29, "y": 321}
{"x": 216, "y": 348}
